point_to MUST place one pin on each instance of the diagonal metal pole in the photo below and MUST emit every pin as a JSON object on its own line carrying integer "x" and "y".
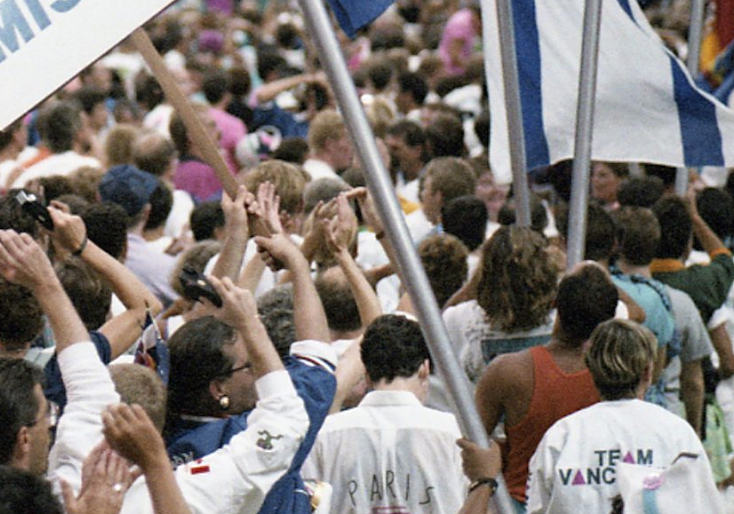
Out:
{"x": 584, "y": 133}
{"x": 383, "y": 193}
{"x": 513, "y": 107}
{"x": 695, "y": 35}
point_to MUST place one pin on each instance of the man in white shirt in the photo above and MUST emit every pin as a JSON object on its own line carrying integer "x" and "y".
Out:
{"x": 329, "y": 144}
{"x": 445, "y": 178}
{"x": 63, "y": 131}
{"x": 390, "y": 453}
{"x": 405, "y": 141}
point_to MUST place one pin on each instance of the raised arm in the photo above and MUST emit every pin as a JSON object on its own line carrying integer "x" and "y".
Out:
{"x": 237, "y": 231}
{"x": 266, "y": 211}
{"x": 309, "y": 316}
{"x": 70, "y": 234}
{"x": 88, "y": 384}
{"x": 337, "y": 237}
{"x": 271, "y": 90}
{"x": 23, "y": 262}
{"x": 240, "y": 312}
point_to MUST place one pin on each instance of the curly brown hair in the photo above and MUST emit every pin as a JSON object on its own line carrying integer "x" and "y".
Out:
{"x": 519, "y": 282}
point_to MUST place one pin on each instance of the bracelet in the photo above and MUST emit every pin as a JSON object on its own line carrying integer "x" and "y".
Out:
{"x": 379, "y": 235}
{"x": 491, "y": 482}
{"x": 78, "y": 251}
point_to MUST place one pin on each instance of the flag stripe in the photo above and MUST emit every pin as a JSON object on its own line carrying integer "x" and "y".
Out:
{"x": 352, "y": 15}
{"x": 527, "y": 46}
{"x": 626, "y": 7}
{"x": 698, "y": 122}
{"x": 647, "y": 107}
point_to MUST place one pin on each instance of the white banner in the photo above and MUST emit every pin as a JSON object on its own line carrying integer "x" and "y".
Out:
{"x": 45, "y": 43}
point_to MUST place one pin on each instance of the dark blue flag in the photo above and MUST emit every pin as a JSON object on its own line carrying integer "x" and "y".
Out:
{"x": 352, "y": 15}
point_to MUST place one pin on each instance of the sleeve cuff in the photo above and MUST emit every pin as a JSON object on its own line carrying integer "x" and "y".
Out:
{"x": 316, "y": 353}
{"x": 274, "y": 383}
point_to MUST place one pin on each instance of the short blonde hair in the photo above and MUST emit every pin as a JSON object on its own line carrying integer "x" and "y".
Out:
{"x": 119, "y": 144}
{"x": 618, "y": 355}
{"x": 140, "y": 385}
{"x": 326, "y": 125}
{"x": 289, "y": 181}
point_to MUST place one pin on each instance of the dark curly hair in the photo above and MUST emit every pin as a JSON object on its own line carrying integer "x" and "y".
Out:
{"x": 444, "y": 259}
{"x": 22, "y": 318}
{"x": 393, "y": 346}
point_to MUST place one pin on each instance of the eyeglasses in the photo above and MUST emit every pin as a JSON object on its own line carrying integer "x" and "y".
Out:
{"x": 52, "y": 415}
{"x": 246, "y": 365}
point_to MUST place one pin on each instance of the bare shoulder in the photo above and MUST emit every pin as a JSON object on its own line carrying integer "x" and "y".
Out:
{"x": 506, "y": 371}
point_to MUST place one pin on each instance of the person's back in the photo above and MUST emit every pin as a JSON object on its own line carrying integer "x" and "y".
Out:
{"x": 555, "y": 393}
{"x": 589, "y": 444}
{"x": 390, "y": 453}
{"x": 534, "y": 388}
{"x": 574, "y": 467}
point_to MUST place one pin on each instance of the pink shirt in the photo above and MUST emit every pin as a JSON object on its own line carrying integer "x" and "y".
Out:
{"x": 231, "y": 130}
{"x": 223, "y": 6}
{"x": 459, "y": 27}
{"x": 197, "y": 178}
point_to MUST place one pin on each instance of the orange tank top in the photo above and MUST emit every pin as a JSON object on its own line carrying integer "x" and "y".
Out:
{"x": 555, "y": 394}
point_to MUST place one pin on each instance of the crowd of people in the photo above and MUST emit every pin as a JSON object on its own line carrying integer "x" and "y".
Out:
{"x": 169, "y": 347}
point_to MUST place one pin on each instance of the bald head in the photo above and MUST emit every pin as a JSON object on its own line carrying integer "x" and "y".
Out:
{"x": 338, "y": 300}
{"x": 155, "y": 153}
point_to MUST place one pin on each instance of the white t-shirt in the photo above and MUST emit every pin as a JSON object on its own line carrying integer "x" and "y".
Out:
{"x": 476, "y": 342}
{"x": 58, "y": 164}
{"x": 418, "y": 225}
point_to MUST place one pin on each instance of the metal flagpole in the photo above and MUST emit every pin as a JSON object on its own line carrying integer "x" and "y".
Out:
{"x": 695, "y": 35}
{"x": 513, "y": 107}
{"x": 383, "y": 193}
{"x": 584, "y": 133}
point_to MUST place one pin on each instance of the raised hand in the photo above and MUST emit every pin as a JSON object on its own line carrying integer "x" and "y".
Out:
{"x": 69, "y": 233}
{"x": 340, "y": 230}
{"x": 130, "y": 432}
{"x": 235, "y": 211}
{"x": 23, "y": 261}
{"x": 269, "y": 207}
{"x": 238, "y": 305}
{"x": 279, "y": 251}
{"x": 367, "y": 206}
{"x": 105, "y": 479}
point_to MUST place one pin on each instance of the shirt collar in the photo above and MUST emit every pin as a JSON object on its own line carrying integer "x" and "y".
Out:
{"x": 387, "y": 398}
{"x": 666, "y": 266}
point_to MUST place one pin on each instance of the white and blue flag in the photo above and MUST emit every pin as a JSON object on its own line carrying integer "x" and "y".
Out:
{"x": 647, "y": 107}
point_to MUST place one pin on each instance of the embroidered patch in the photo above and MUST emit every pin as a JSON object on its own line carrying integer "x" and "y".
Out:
{"x": 266, "y": 440}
